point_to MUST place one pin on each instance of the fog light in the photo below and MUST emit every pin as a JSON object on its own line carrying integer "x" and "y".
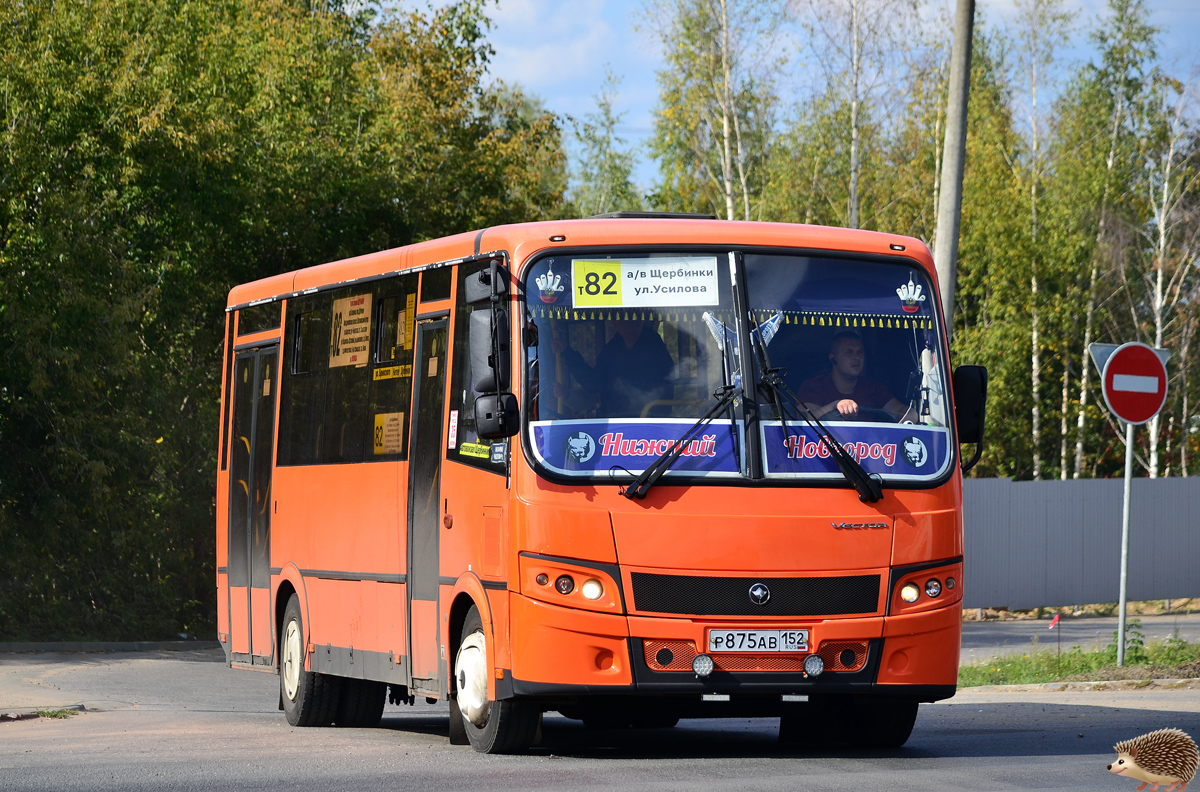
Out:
{"x": 591, "y": 589}
{"x": 814, "y": 666}
{"x": 702, "y": 665}
{"x": 910, "y": 592}
{"x": 933, "y": 587}
{"x": 542, "y": 578}
{"x": 565, "y": 584}
{"x": 949, "y": 583}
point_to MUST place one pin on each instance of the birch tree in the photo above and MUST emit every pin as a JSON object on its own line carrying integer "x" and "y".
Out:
{"x": 1042, "y": 27}
{"x": 605, "y": 166}
{"x": 859, "y": 44}
{"x": 712, "y": 126}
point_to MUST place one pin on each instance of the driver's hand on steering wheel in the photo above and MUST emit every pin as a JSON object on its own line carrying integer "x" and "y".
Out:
{"x": 847, "y": 407}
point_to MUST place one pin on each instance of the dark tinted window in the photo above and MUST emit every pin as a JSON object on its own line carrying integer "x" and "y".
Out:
{"x": 258, "y": 318}
{"x": 392, "y": 367}
{"x": 435, "y": 284}
{"x": 463, "y": 443}
{"x": 346, "y": 397}
{"x": 302, "y": 395}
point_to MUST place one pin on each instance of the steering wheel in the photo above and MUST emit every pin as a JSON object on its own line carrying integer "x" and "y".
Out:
{"x": 865, "y": 414}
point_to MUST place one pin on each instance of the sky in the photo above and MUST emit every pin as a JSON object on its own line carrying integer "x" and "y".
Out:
{"x": 561, "y": 52}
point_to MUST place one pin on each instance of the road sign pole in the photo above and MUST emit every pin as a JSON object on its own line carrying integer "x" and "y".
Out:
{"x": 1125, "y": 542}
{"x": 1133, "y": 378}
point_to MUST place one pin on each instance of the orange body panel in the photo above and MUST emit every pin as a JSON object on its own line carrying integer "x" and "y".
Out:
{"x": 567, "y": 646}
{"x": 335, "y": 522}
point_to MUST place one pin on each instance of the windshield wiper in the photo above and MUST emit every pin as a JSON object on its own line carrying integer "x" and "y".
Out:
{"x": 655, "y": 470}
{"x": 869, "y": 489}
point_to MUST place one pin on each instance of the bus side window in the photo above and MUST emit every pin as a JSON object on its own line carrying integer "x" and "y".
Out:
{"x": 463, "y": 444}
{"x": 302, "y": 381}
{"x": 391, "y": 367}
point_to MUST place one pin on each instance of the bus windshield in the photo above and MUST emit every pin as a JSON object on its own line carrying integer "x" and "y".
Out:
{"x": 625, "y": 350}
{"x": 857, "y": 343}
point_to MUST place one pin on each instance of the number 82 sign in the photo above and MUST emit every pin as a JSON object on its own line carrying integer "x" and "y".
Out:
{"x": 597, "y": 283}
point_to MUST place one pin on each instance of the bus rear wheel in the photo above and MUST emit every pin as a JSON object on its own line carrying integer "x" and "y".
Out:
{"x": 360, "y": 705}
{"x": 496, "y": 727}
{"x": 309, "y": 698}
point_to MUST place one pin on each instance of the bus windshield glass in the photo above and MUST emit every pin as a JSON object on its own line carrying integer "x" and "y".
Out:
{"x": 857, "y": 343}
{"x": 624, "y": 351}
{"x": 630, "y": 347}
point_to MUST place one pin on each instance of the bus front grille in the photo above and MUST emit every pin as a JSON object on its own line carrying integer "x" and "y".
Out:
{"x": 696, "y": 595}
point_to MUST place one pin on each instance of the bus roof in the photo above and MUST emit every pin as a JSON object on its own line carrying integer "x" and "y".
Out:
{"x": 524, "y": 239}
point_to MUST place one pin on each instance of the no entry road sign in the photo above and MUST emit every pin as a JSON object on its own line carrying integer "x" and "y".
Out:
{"x": 1134, "y": 380}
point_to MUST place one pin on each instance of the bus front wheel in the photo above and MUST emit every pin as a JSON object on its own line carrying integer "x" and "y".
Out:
{"x": 309, "y": 698}
{"x": 498, "y": 727}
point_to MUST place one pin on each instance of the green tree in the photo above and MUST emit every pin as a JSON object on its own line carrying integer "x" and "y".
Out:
{"x": 152, "y": 155}
{"x": 712, "y": 128}
{"x": 605, "y": 169}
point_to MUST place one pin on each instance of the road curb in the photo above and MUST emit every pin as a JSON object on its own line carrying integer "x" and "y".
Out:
{"x": 19, "y": 647}
{"x": 1060, "y": 687}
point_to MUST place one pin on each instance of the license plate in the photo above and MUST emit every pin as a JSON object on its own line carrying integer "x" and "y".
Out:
{"x": 758, "y": 640}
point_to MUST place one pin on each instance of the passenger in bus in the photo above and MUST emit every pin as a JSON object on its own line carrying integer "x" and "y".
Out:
{"x": 632, "y": 370}
{"x": 843, "y": 391}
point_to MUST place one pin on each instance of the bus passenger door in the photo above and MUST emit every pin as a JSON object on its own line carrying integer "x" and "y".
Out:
{"x": 424, "y": 506}
{"x": 250, "y": 504}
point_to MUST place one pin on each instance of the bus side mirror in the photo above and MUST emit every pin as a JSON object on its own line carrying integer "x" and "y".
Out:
{"x": 483, "y": 285}
{"x": 970, "y": 403}
{"x": 497, "y": 416}
{"x": 488, "y": 342}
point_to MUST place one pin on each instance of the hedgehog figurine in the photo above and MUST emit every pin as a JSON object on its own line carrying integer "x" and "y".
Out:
{"x": 1166, "y": 756}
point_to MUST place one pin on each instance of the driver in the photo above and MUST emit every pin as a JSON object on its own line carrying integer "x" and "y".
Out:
{"x": 844, "y": 389}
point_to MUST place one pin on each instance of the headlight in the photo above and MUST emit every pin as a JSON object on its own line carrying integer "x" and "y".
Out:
{"x": 565, "y": 584}
{"x": 591, "y": 589}
{"x": 933, "y": 587}
{"x": 910, "y": 592}
{"x": 703, "y": 665}
{"x": 814, "y": 666}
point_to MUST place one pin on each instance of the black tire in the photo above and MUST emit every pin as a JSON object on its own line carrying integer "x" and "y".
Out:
{"x": 309, "y": 698}
{"x": 646, "y": 720}
{"x": 360, "y": 705}
{"x": 511, "y": 725}
{"x": 458, "y": 731}
{"x": 888, "y": 723}
{"x": 844, "y": 721}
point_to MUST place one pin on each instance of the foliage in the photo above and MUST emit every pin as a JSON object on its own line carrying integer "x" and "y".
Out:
{"x": 154, "y": 154}
{"x": 605, "y": 170}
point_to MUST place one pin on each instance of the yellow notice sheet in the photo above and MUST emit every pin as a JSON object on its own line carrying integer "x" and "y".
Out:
{"x": 350, "y": 341}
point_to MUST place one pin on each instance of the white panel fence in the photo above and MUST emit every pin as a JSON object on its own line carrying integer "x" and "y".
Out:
{"x": 1056, "y": 543}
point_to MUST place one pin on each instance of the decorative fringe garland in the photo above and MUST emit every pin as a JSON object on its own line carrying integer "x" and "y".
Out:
{"x": 811, "y": 318}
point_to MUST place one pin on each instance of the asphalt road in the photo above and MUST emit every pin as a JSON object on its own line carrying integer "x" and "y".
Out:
{"x": 987, "y": 639}
{"x": 182, "y": 720}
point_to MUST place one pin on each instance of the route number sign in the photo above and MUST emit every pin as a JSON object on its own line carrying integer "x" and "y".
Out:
{"x": 1135, "y": 383}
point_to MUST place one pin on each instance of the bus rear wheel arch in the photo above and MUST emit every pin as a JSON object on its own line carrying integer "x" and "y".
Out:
{"x": 508, "y": 726}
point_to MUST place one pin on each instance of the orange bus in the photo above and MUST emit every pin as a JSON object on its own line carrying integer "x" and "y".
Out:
{"x": 632, "y": 469}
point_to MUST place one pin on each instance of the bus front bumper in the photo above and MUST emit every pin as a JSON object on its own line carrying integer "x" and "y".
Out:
{"x": 566, "y": 653}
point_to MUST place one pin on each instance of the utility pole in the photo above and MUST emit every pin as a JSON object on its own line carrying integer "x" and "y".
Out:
{"x": 954, "y": 152}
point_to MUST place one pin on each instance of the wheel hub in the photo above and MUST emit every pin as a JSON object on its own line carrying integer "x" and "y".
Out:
{"x": 292, "y": 660}
{"x": 471, "y": 675}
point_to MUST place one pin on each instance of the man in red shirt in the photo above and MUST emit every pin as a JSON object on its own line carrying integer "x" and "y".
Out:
{"x": 844, "y": 389}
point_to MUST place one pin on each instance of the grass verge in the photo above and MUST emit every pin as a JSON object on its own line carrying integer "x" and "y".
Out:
{"x": 59, "y": 714}
{"x": 1173, "y": 658}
